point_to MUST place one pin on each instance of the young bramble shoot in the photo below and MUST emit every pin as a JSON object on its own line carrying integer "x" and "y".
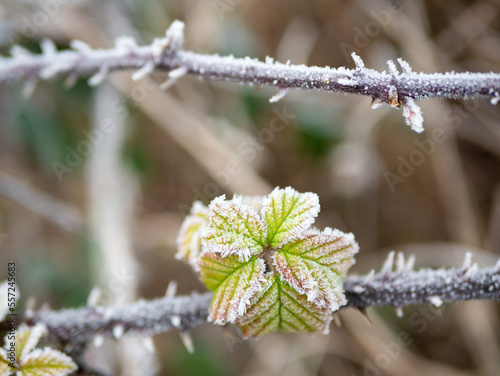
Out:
{"x": 268, "y": 267}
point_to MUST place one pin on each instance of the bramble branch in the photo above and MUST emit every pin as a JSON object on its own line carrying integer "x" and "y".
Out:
{"x": 400, "y": 287}
{"x": 399, "y": 89}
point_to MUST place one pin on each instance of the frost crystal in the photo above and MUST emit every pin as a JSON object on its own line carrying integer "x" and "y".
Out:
{"x": 268, "y": 268}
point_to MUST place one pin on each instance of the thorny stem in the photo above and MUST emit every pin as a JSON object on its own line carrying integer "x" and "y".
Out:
{"x": 395, "y": 88}
{"x": 398, "y": 288}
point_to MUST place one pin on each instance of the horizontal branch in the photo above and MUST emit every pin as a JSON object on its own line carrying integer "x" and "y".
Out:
{"x": 399, "y": 288}
{"x": 392, "y": 87}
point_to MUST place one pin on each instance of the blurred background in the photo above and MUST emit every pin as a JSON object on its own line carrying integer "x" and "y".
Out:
{"x": 95, "y": 181}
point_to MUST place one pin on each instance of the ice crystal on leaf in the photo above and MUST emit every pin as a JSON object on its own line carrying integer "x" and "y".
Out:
{"x": 29, "y": 361}
{"x": 268, "y": 268}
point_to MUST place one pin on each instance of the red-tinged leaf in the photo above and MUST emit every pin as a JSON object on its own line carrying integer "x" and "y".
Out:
{"x": 47, "y": 362}
{"x": 278, "y": 306}
{"x": 234, "y": 283}
{"x": 287, "y": 214}
{"x": 189, "y": 239}
{"x": 316, "y": 263}
{"x": 235, "y": 228}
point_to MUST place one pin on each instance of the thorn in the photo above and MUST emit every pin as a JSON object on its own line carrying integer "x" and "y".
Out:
{"x": 70, "y": 80}
{"x": 144, "y": 71}
{"x": 393, "y": 97}
{"x": 404, "y": 65}
{"x": 30, "y": 306}
{"x": 494, "y": 100}
{"x": 19, "y": 52}
{"x": 45, "y": 307}
{"x": 392, "y": 68}
{"x": 497, "y": 265}
{"x": 125, "y": 43}
{"x": 29, "y": 88}
{"x": 435, "y": 301}
{"x": 98, "y": 340}
{"x": 99, "y": 77}
{"x": 175, "y": 320}
{"x": 278, "y": 96}
{"x": 376, "y": 103}
{"x": 471, "y": 271}
{"x": 48, "y": 47}
{"x": 149, "y": 344}
{"x": 410, "y": 263}
{"x": 80, "y": 46}
{"x": 358, "y": 289}
{"x": 118, "y": 331}
{"x": 467, "y": 260}
{"x": 171, "y": 289}
{"x": 94, "y": 297}
{"x": 364, "y": 312}
{"x": 358, "y": 61}
{"x": 173, "y": 76}
{"x": 399, "y": 312}
{"x": 336, "y": 320}
{"x": 400, "y": 262}
{"x": 388, "y": 264}
{"x": 369, "y": 276}
{"x": 174, "y": 37}
{"x": 187, "y": 341}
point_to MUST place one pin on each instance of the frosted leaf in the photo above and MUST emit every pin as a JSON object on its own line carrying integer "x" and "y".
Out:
{"x": 316, "y": 264}
{"x": 287, "y": 214}
{"x": 189, "y": 241}
{"x": 235, "y": 228}
{"x": 27, "y": 338}
{"x": 47, "y": 362}
{"x": 413, "y": 115}
{"x": 234, "y": 283}
{"x": 4, "y": 308}
{"x": 278, "y": 306}
{"x": 4, "y": 363}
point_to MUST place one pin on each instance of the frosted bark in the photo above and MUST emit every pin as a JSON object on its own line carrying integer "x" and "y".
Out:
{"x": 163, "y": 54}
{"x": 398, "y": 288}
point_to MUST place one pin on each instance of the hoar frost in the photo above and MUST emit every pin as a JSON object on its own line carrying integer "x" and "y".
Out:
{"x": 268, "y": 267}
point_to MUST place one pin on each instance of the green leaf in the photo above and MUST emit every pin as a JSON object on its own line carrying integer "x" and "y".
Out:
{"x": 189, "y": 239}
{"x": 47, "y": 362}
{"x": 316, "y": 263}
{"x": 280, "y": 307}
{"x": 234, "y": 283}
{"x": 235, "y": 228}
{"x": 287, "y": 214}
{"x": 27, "y": 338}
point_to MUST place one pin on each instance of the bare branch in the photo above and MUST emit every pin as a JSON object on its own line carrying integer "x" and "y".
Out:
{"x": 398, "y": 288}
{"x": 164, "y": 55}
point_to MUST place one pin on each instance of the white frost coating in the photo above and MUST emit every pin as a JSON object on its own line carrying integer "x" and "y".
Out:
{"x": 118, "y": 331}
{"x": 48, "y": 47}
{"x": 413, "y": 115}
{"x": 19, "y": 52}
{"x": 471, "y": 271}
{"x": 187, "y": 341}
{"x": 405, "y": 66}
{"x": 359, "y": 289}
{"x": 357, "y": 60}
{"x": 389, "y": 263}
{"x": 392, "y": 68}
{"x": 497, "y": 266}
{"x": 494, "y": 101}
{"x": 348, "y": 81}
{"x": 436, "y": 301}
{"x": 369, "y": 277}
{"x": 125, "y": 43}
{"x": 278, "y": 96}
